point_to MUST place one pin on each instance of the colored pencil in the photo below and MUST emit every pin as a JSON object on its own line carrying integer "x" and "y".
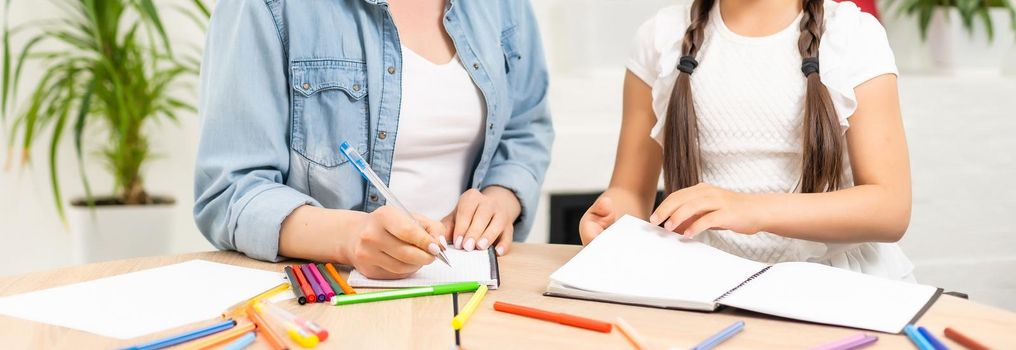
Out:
{"x": 238, "y": 308}
{"x": 311, "y": 296}
{"x": 273, "y": 339}
{"x": 300, "y": 335}
{"x": 300, "y": 297}
{"x": 313, "y": 283}
{"x": 241, "y": 343}
{"x": 220, "y": 338}
{"x": 720, "y": 336}
{"x": 562, "y": 318}
{"x": 849, "y": 343}
{"x": 327, "y": 289}
{"x": 633, "y": 335}
{"x": 185, "y": 337}
{"x": 937, "y": 344}
{"x": 460, "y": 320}
{"x": 346, "y": 289}
{"x": 917, "y": 338}
{"x": 964, "y": 340}
{"x": 329, "y": 279}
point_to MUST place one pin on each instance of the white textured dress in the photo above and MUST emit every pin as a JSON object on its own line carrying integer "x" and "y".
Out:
{"x": 749, "y": 97}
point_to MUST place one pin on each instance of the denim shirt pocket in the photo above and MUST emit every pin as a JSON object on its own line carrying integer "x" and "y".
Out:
{"x": 329, "y": 107}
{"x": 510, "y": 45}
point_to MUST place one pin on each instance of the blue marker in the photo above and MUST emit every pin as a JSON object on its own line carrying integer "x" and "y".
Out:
{"x": 917, "y": 338}
{"x": 369, "y": 174}
{"x": 937, "y": 344}
{"x": 241, "y": 342}
{"x": 720, "y": 337}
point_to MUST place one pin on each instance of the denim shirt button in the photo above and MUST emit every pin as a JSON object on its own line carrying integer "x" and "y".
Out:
{"x": 356, "y": 87}
{"x": 306, "y": 86}
{"x": 391, "y": 70}
{"x": 476, "y": 66}
{"x": 382, "y": 135}
{"x": 373, "y": 198}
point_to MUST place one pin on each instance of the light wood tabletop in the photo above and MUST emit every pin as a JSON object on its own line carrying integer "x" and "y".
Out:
{"x": 424, "y": 323}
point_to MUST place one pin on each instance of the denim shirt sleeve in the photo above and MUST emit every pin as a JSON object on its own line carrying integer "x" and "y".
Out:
{"x": 523, "y": 154}
{"x": 243, "y": 156}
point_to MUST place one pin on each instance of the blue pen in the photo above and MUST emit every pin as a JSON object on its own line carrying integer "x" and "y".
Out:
{"x": 361, "y": 165}
{"x": 720, "y": 337}
{"x": 937, "y": 344}
{"x": 185, "y": 337}
{"x": 917, "y": 338}
{"x": 241, "y": 342}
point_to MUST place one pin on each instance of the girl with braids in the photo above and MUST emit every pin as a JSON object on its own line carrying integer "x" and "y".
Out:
{"x": 777, "y": 127}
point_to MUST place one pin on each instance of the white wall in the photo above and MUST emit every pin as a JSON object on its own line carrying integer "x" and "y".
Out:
{"x": 959, "y": 130}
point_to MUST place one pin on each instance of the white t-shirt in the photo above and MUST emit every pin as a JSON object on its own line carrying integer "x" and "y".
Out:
{"x": 749, "y": 98}
{"x": 440, "y": 133}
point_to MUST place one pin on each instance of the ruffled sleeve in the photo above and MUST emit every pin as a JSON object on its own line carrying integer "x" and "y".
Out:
{"x": 655, "y": 54}
{"x": 854, "y": 50}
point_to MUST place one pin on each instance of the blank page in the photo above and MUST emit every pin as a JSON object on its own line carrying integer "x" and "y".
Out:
{"x": 466, "y": 267}
{"x": 138, "y": 303}
{"x": 824, "y": 294}
{"x": 640, "y": 260}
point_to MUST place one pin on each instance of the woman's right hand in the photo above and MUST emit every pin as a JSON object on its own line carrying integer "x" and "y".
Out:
{"x": 599, "y": 216}
{"x": 389, "y": 245}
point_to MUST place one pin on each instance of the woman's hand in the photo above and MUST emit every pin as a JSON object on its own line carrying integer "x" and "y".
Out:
{"x": 484, "y": 218}
{"x": 387, "y": 245}
{"x": 599, "y": 216}
{"x": 703, "y": 207}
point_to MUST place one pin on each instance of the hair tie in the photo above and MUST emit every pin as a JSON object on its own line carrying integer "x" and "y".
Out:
{"x": 687, "y": 65}
{"x": 809, "y": 66}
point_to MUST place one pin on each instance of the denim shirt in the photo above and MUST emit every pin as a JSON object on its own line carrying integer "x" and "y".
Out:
{"x": 284, "y": 83}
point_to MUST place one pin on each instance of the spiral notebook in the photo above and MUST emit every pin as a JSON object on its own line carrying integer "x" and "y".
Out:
{"x": 635, "y": 262}
{"x": 466, "y": 266}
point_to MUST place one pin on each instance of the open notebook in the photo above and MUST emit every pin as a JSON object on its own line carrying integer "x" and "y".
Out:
{"x": 477, "y": 265}
{"x": 635, "y": 262}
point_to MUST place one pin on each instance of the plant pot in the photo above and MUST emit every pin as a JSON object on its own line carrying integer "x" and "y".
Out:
{"x": 955, "y": 50}
{"x": 110, "y": 232}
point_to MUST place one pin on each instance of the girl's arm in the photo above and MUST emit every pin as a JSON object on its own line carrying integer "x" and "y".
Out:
{"x": 877, "y": 208}
{"x": 636, "y": 167}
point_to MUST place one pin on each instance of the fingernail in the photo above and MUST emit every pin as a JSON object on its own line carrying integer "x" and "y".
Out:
{"x": 469, "y": 245}
{"x": 458, "y": 242}
{"x": 444, "y": 242}
{"x": 482, "y": 244}
{"x": 669, "y": 225}
{"x": 433, "y": 248}
{"x": 653, "y": 219}
{"x": 499, "y": 250}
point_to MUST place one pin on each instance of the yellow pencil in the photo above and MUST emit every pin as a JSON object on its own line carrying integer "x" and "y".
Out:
{"x": 463, "y": 316}
{"x": 219, "y": 338}
{"x": 238, "y": 308}
{"x": 629, "y": 332}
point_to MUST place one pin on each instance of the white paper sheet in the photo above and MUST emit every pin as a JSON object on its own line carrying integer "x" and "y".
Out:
{"x": 143, "y": 302}
{"x": 467, "y": 267}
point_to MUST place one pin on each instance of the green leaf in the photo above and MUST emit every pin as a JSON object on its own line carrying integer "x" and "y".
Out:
{"x": 148, "y": 10}
{"x": 79, "y": 129}
{"x": 988, "y": 25}
{"x": 54, "y": 144}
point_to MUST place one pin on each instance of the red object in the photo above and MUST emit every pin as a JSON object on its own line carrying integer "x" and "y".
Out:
{"x": 561, "y": 318}
{"x": 865, "y": 6}
{"x": 964, "y": 340}
{"x": 311, "y": 297}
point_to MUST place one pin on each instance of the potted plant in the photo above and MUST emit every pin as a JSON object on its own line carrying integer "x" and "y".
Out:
{"x": 964, "y": 35}
{"x": 110, "y": 70}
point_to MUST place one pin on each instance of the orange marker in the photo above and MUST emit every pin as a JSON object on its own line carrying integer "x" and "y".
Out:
{"x": 220, "y": 338}
{"x": 274, "y": 340}
{"x": 338, "y": 279}
{"x": 562, "y": 318}
{"x": 304, "y": 285}
{"x": 964, "y": 340}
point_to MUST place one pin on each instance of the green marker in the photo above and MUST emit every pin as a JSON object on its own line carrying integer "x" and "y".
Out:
{"x": 461, "y": 287}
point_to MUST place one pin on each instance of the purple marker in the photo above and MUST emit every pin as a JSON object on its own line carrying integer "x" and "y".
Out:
{"x": 329, "y": 293}
{"x": 313, "y": 283}
{"x": 849, "y": 343}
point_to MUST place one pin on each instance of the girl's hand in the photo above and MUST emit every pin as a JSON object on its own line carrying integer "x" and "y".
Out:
{"x": 387, "y": 245}
{"x": 599, "y": 216}
{"x": 703, "y": 207}
{"x": 481, "y": 219}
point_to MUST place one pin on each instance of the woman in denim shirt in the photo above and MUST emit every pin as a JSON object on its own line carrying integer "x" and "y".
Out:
{"x": 446, "y": 99}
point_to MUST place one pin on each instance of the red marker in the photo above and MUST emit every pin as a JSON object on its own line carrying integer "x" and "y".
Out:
{"x": 311, "y": 297}
{"x": 562, "y": 318}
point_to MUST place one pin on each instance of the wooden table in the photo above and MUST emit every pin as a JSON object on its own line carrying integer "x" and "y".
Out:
{"x": 423, "y": 323}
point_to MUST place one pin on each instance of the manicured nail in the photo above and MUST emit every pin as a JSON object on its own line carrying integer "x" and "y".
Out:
{"x": 482, "y": 244}
{"x": 458, "y": 242}
{"x": 500, "y": 251}
{"x": 669, "y": 226}
{"x": 469, "y": 245}
{"x": 434, "y": 249}
{"x": 444, "y": 242}
{"x": 653, "y": 219}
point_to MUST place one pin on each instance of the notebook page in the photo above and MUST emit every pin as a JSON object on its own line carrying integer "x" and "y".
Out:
{"x": 138, "y": 303}
{"x": 637, "y": 259}
{"x": 824, "y": 294}
{"x": 466, "y": 267}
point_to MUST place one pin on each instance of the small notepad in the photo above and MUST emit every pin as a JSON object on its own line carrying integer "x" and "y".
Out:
{"x": 477, "y": 265}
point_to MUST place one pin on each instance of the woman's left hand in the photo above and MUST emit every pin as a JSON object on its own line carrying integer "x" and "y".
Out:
{"x": 483, "y": 218}
{"x": 691, "y": 210}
